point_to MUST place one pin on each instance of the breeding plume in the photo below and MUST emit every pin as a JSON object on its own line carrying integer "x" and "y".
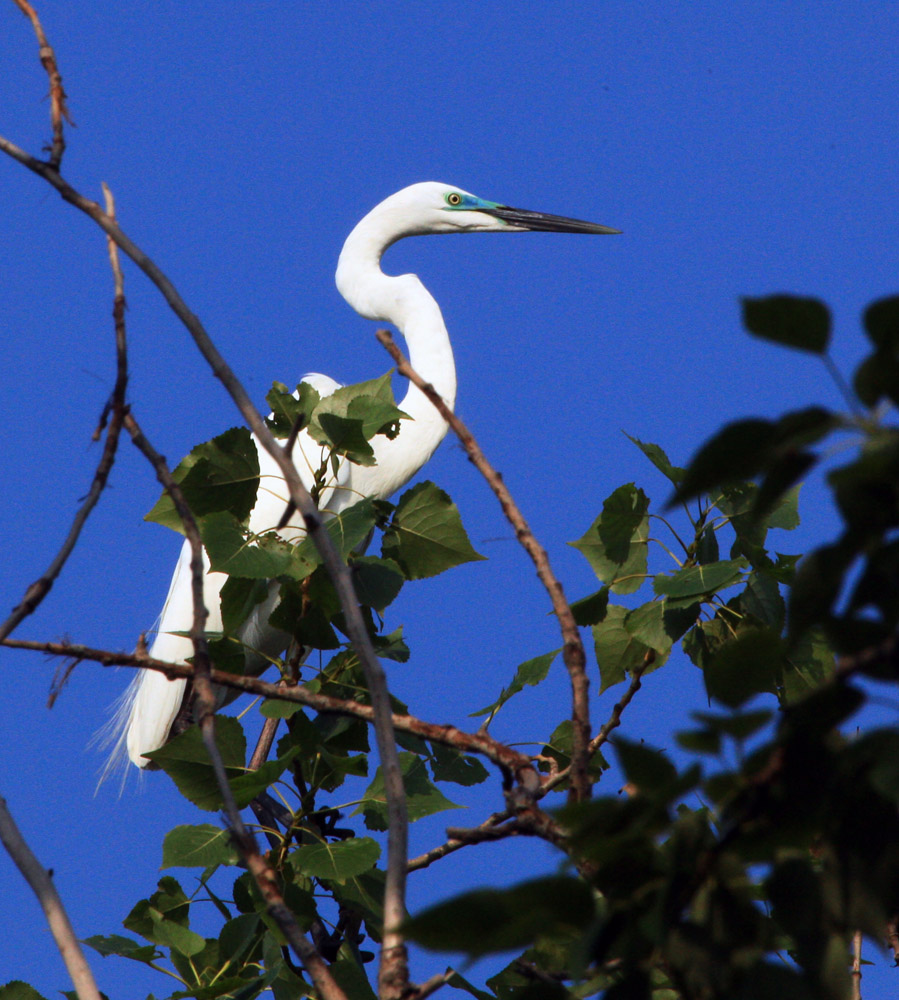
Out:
{"x": 153, "y": 703}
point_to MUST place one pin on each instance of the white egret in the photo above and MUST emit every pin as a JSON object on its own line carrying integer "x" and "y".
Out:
{"x": 153, "y": 703}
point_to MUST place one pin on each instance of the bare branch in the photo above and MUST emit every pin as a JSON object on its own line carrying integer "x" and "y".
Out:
{"x": 394, "y": 973}
{"x": 431, "y": 985}
{"x": 39, "y": 589}
{"x": 573, "y": 650}
{"x": 857, "y": 966}
{"x": 40, "y": 881}
{"x": 455, "y": 842}
{"x": 206, "y": 701}
{"x": 58, "y": 109}
{"x": 515, "y": 765}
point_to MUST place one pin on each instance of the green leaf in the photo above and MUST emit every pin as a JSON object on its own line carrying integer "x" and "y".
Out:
{"x": 187, "y": 763}
{"x": 237, "y": 935}
{"x": 163, "y": 919}
{"x": 370, "y": 402}
{"x": 618, "y": 652}
{"x": 762, "y": 600}
{"x": 117, "y": 944}
{"x": 425, "y": 536}
{"x": 616, "y": 543}
{"x": 659, "y": 459}
{"x": 343, "y": 436}
{"x": 422, "y": 797}
{"x": 290, "y": 408}
{"x": 530, "y": 673}
{"x": 696, "y": 581}
{"x": 448, "y": 764}
{"x": 17, "y": 990}
{"x": 492, "y": 920}
{"x": 231, "y": 552}
{"x": 735, "y": 452}
{"x": 745, "y": 666}
{"x": 337, "y": 861}
{"x": 881, "y": 321}
{"x": 647, "y": 623}
{"x": 348, "y": 530}
{"x": 810, "y": 664}
{"x": 377, "y": 581}
{"x": 198, "y": 847}
{"x": 786, "y": 514}
{"x": 591, "y": 610}
{"x": 238, "y": 599}
{"x": 647, "y": 768}
{"x": 790, "y": 320}
{"x": 219, "y": 475}
{"x": 877, "y": 377}
{"x": 738, "y": 725}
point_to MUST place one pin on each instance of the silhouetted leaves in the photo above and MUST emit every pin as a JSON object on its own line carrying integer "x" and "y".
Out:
{"x": 789, "y": 320}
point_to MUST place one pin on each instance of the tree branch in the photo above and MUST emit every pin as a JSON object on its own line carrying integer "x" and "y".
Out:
{"x": 58, "y": 109}
{"x": 573, "y": 649}
{"x": 393, "y": 974}
{"x": 39, "y": 589}
{"x": 202, "y": 680}
{"x": 39, "y": 879}
{"x": 516, "y": 765}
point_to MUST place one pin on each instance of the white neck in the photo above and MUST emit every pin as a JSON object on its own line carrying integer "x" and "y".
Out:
{"x": 405, "y": 302}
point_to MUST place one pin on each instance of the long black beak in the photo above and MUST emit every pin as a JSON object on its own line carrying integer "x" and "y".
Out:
{"x": 542, "y": 223}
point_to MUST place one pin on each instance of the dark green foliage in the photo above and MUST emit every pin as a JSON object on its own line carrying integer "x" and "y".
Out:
{"x": 733, "y": 865}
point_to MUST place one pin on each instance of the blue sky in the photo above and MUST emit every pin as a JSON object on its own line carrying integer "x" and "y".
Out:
{"x": 742, "y": 149}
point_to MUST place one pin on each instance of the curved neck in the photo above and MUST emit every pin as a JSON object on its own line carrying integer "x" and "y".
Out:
{"x": 405, "y": 302}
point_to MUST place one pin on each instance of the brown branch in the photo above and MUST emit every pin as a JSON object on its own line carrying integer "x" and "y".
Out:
{"x": 41, "y": 883}
{"x": 58, "y": 108}
{"x": 431, "y": 985}
{"x": 39, "y": 589}
{"x": 893, "y": 939}
{"x": 456, "y": 842}
{"x": 516, "y": 765}
{"x": 857, "y": 966}
{"x": 573, "y": 650}
{"x": 206, "y": 701}
{"x": 394, "y": 972}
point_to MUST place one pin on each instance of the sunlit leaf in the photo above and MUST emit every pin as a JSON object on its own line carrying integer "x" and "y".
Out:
{"x": 659, "y": 459}
{"x": 198, "y": 847}
{"x": 615, "y": 544}
{"x": 219, "y": 475}
{"x": 338, "y": 860}
{"x": 425, "y": 536}
{"x": 422, "y": 797}
{"x": 695, "y": 581}
{"x": 530, "y": 673}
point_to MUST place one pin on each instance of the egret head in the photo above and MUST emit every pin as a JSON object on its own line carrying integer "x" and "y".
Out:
{"x": 431, "y": 207}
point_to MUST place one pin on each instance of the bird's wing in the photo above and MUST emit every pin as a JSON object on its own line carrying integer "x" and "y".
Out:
{"x": 152, "y": 702}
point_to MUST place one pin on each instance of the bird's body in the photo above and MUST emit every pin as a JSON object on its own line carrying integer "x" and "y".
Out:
{"x": 153, "y": 702}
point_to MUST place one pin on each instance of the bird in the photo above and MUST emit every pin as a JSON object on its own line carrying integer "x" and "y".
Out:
{"x": 153, "y": 705}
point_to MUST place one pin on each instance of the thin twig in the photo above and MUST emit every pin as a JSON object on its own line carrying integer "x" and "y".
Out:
{"x": 573, "y": 650}
{"x": 39, "y": 879}
{"x": 264, "y": 743}
{"x": 58, "y": 108}
{"x": 39, "y": 589}
{"x": 393, "y": 975}
{"x": 857, "y": 966}
{"x": 203, "y": 681}
{"x": 455, "y": 843}
{"x": 431, "y": 985}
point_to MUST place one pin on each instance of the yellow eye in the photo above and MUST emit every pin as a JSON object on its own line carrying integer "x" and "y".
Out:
{"x": 454, "y": 199}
